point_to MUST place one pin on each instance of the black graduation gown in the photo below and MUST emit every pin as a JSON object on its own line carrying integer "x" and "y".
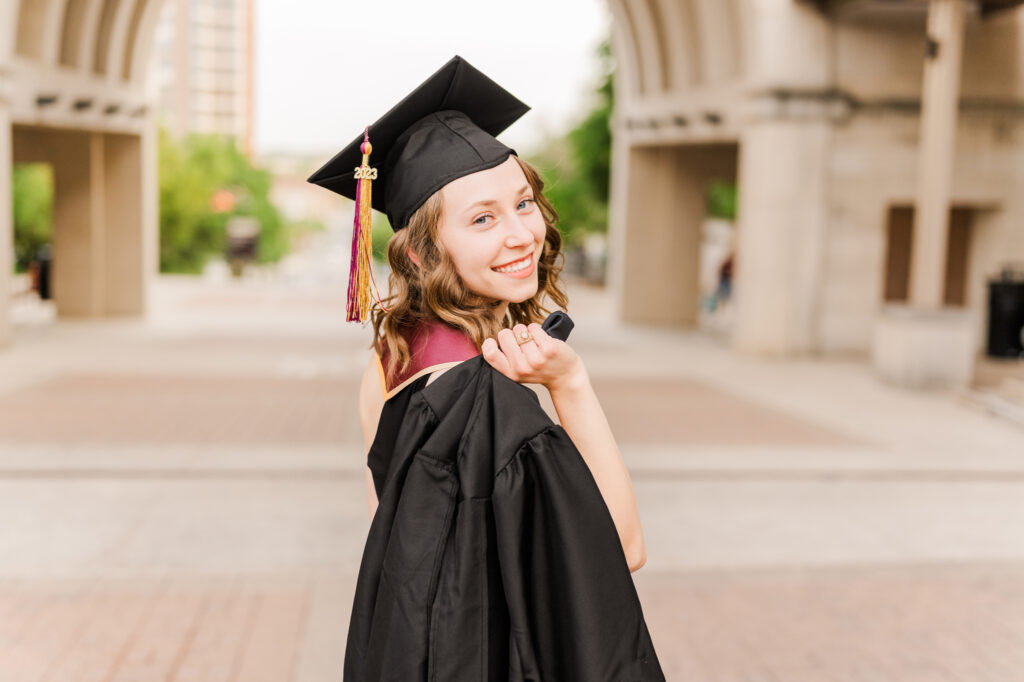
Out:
{"x": 492, "y": 555}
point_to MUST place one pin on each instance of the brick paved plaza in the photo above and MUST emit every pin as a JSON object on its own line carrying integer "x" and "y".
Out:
{"x": 183, "y": 500}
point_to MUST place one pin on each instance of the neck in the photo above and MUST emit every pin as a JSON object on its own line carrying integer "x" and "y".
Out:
{"x": 499, "y": 312}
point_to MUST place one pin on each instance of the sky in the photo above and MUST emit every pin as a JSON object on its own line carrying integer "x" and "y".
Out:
{"x": 324, "y": 69}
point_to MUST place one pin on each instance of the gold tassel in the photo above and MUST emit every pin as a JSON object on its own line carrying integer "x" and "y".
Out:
{"x": 361, "y": 283}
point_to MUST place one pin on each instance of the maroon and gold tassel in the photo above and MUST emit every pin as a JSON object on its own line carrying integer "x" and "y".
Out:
{"x": 361, "y": 283}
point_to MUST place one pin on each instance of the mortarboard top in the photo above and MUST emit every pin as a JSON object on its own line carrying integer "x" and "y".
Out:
{"x": 442, "y": 130}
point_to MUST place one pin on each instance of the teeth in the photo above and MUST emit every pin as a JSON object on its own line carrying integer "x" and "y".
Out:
{"x": 513, "y": 268}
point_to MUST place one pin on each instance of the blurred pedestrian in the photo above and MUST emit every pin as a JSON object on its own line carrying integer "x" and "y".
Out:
{"x": 725, "y": 279}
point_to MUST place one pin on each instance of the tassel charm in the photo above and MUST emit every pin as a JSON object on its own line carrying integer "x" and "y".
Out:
{"x": 361, "y": 283}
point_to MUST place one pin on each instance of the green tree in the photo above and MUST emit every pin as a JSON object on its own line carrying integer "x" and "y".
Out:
{"x": 721, "y": 200}
{"x": 32, "y": 189}
{"x": 192, "y": 172}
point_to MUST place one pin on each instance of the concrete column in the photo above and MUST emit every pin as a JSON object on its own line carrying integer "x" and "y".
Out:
{"x": 662, "y": 240}
{"x": 149, "y": 207}
{"x": 125, "y": 263}
{"x": 79, "y": 214}
{"x": 935, "y": 154}
{"x": 618, "y": 203}
{"x": 6, "y": 225}
{"x": 780, "y": 235}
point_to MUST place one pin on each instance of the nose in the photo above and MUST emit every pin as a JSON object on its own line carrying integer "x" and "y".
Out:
{"x": 518, "y": 233}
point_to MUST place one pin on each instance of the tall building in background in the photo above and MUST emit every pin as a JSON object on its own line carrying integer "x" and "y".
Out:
{"x": 204, "y": 63}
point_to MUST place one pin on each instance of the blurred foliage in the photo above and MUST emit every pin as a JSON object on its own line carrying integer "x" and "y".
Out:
{"x": 192, "y": 170}
{"x": 576, "y": 168}
{"x": 32, "y": 189}
{"x": 722, "y": 200}
{"x": 381, "y": 234}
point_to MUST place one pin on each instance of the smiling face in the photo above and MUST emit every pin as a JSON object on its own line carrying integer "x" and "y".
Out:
{"x": 493, "y": 231}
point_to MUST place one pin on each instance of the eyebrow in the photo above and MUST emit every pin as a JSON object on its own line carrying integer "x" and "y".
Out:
{"x": 488, "y": 202}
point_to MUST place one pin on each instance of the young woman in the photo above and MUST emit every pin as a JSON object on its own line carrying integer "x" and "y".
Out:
{"x": 482, "y": 254}
{"x": 501, "y": 544}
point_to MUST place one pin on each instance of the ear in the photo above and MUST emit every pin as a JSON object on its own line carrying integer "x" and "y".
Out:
{"x": 412, "y": 256}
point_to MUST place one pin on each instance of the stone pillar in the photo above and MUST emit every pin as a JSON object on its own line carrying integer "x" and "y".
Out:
{"x": 784, "y": 152}
{"x": 79, "y": 214}
{"x": 149, "y": 209}
{"x": 124, "y": 258}
{"x": 6, "y": 225}
{"x": 618, "y": 202}
{"x": 925, "y": 344}
{"x": 105, "y": 242}
{"x": 780, "y": 235}
{"x": 937, "y": 141}
{"x": 660, "y": 258}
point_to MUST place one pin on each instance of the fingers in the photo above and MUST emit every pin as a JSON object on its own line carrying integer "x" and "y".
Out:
{"x": 545, "y": 343}
{"x": 493, "y": 355}
{"x": 531, "y": 351}
{"x": 519, "y": 361}
{"x": 513, "y": 351}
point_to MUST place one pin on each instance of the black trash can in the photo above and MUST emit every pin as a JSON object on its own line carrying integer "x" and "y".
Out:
{"x": 1006, "y": 313}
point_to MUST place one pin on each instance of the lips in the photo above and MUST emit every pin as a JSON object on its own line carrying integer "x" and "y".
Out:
{"x": 523, "y": 268}
{"x": 513, "y": 262}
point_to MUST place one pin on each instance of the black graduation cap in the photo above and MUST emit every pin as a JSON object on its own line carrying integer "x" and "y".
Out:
{"x": 442, "y": 130}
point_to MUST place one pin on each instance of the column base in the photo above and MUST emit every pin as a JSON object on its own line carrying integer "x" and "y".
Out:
{"x": 918, "y": 348}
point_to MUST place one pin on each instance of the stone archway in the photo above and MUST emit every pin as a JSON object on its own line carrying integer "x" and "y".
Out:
{"x": 703, "y": 92}
{"x": 72, "y": 95}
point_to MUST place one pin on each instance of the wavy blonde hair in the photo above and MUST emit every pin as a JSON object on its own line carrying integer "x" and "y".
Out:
{"x": 435, "y": 291}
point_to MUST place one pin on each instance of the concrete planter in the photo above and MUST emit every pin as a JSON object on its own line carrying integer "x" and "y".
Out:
{"x": 918, "y": 348}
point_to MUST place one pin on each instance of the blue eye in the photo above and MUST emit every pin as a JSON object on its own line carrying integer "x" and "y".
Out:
{"x": 478, "y": 220}
{"x": 525, "y": 201}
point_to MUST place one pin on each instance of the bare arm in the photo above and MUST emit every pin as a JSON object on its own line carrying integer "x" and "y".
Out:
{"x": 371, "y": 401}
{"x": 585, "y": 422}
{"x": 554, "y": 364}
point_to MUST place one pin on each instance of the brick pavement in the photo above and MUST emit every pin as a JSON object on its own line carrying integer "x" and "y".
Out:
{"x": 916, "y": 622}
{"x": 682, "y": 412}
{"x": 172, "y": 408}
{"x": 181, "y": 506}
{"x": 175, "y": 629}
{"x": 111, "y": 408}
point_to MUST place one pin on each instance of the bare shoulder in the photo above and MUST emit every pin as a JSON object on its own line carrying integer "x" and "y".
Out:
{"x": 371, "y": 399}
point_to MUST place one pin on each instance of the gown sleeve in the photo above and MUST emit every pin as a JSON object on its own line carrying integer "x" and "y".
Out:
{"x": 388, "y": 628}
{"x": 574, "y": 612}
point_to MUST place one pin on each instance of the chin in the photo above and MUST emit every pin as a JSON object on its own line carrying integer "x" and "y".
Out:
{"x": 519, "y": 295}
{"x": 516, "y": 292}
{"x": 523, "y": 297}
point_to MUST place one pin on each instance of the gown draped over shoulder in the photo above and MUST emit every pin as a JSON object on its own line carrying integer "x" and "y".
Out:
{"x": 492, "y": 555}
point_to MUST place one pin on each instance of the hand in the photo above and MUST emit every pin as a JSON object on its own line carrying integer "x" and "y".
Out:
{"x": 543, "y": 360}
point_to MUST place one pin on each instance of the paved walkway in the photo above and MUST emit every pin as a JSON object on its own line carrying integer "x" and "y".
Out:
{"x": 183, "y": 499}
